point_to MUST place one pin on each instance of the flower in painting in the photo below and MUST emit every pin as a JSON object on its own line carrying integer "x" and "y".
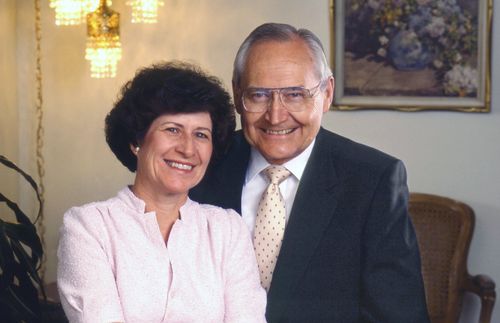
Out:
{"x": 420, "y": 20}
{"x": 429, "y": 33}
{"x": 375, "y": 4}
{"x": 436, "y": 27}
{"x": 382, "y": 52}
{"x": 383, "y": 40}
{"x": 407, "y": 52}
{"x": 449, "y": 6}
{"x": 443, "y": 41}
{"x": 461, "y": 80}
{"x": 437, "y": 63}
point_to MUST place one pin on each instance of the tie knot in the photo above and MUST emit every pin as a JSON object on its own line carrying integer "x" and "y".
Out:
{"x": 276, "y": 173}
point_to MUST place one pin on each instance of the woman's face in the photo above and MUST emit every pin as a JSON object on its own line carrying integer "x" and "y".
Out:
{"x": 174, "y": 154}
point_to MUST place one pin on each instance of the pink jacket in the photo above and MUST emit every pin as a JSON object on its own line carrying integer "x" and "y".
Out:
{"x": 114, "y": 265}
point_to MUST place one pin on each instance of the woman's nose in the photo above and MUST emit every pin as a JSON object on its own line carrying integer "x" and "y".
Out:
{"x": 186, "y": 145}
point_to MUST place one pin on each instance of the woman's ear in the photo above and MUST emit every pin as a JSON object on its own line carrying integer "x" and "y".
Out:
{"x": 135, "y": 149}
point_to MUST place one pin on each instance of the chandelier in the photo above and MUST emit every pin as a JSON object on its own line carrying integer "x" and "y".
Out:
{"x": 103, "y": 41}
{"x": 103, "y": 48}
{"x": 145, "y": 11}
{"x": 73, "y": 12}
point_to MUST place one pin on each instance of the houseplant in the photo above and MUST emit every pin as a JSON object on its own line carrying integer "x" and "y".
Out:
{"x": 21, "y": 287}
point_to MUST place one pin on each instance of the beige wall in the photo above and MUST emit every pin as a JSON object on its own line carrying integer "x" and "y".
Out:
{"x": 452, "y": 154}
{"x": 8, "y": 103}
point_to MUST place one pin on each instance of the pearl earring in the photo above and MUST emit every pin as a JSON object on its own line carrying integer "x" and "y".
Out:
{"x": 137, "y": 149}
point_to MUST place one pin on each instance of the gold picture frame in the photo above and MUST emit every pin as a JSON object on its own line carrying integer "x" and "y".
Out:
{"x": 411, "y": 55}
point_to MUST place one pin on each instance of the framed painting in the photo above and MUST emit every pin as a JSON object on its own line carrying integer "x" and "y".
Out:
{"x": 411, "y": 55}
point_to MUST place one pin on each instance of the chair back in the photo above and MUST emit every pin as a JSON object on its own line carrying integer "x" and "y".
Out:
{"x": 444, "y": 230}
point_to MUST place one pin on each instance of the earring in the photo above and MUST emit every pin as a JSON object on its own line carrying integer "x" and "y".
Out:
{"x": 136, "y": 149}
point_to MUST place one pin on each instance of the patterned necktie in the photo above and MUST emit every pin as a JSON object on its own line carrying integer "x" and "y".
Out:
{"x": 270, "y": 224}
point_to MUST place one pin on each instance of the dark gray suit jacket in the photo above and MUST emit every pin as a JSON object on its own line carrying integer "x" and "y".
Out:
{"x": 349, "y": 252}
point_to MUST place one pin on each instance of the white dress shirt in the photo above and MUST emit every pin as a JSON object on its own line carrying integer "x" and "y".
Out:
{"x": 256, "y": 182}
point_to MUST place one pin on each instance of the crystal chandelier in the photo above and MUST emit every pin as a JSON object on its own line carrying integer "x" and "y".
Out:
{"x": 103, "y": 41}
{"x": 103, "y": 28}
{"x": 144, "y": 11}
{"x": 72, "y": 12}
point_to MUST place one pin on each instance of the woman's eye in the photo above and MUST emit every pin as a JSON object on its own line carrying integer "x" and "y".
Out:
{"x": 172, "y": 130}
{"x": 202, "y": 135}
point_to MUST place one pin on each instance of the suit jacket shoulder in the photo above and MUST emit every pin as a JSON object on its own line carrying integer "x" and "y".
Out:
{"x": 346, "y": 151}
{"x": 223, "y": 181}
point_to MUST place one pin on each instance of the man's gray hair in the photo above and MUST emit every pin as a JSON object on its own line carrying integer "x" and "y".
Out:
{"x": 281, "y": 32}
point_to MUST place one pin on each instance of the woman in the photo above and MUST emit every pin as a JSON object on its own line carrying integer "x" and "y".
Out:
{"x": 151, "y": 254}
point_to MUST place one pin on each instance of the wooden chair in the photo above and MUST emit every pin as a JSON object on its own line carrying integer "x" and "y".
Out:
{"x": 444, "y": 229}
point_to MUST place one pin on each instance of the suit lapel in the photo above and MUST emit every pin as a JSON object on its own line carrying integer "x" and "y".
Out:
{"x": 311, "y": 213}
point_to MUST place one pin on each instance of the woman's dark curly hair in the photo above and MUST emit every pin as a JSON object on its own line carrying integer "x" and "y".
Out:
{"x": 167, "y": 88}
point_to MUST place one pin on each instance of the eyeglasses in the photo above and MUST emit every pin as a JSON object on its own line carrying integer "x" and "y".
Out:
{"x": 294, "y": 99}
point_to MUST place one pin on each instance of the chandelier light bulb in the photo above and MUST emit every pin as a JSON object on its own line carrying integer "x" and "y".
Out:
{"x": 145, "y": 11}
{"x": 72, "y": 12}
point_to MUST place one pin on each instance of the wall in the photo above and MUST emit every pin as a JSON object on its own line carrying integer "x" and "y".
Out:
{"x": 447, "y": 153}
{"x": 8, "y": 104}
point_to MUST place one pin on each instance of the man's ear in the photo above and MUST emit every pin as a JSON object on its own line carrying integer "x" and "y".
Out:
{"x": 329, "y": 93}
{"x": 237, "y": 97}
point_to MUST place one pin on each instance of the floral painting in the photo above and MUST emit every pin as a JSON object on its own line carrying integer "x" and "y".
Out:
{"x": 412, "y": 53}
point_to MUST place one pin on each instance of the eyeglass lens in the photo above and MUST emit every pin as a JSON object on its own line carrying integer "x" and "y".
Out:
{"x": 292, "y": 98}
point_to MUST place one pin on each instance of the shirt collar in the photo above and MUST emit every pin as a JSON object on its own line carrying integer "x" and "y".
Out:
{"x": 296, "y": 165}
{"x": 130, "y": 199}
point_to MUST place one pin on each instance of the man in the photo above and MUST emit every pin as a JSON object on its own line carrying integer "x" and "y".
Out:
{"x": 349, "y": 252}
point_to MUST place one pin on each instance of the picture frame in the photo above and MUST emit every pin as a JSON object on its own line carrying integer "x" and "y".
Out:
{"x": 411, "y": 55}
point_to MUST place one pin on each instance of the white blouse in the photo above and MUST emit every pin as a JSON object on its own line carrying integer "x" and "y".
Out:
{"x": 114, "y": 265}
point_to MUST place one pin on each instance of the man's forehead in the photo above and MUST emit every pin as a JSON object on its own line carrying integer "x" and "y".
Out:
{"x": 279, "y": 61}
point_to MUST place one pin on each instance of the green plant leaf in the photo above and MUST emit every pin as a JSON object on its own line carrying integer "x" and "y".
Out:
{"x": 7, "y": 260}
{"x": 27, "y": 290}
{"x": 20, "y": 216}
{"x": 27, "y": 265}
{"x": 21, "y": 252}
{"x": 20, "y": 309}
{"x": 21, "y": 298}
{"x": 4, "y": 160}
{"x": 28, "y": 236}
{"x": 17, "y": 234}
{"x": 25, "y": 231}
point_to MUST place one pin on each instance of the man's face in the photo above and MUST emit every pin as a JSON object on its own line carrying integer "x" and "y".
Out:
{"x": 277, "y": 133}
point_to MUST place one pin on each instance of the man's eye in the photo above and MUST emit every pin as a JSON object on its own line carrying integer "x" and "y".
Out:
{"x": 259, "y": 96}
{"x": 294, "y": 95}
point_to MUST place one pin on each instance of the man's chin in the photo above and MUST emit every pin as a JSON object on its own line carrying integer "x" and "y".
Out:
{"x": 275, "y": 156}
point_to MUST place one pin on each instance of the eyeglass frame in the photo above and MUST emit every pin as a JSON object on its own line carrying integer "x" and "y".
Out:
{"x": 312, "y": 92}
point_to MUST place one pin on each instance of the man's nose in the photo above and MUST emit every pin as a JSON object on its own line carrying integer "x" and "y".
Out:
{"x": 276, "y": 112}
